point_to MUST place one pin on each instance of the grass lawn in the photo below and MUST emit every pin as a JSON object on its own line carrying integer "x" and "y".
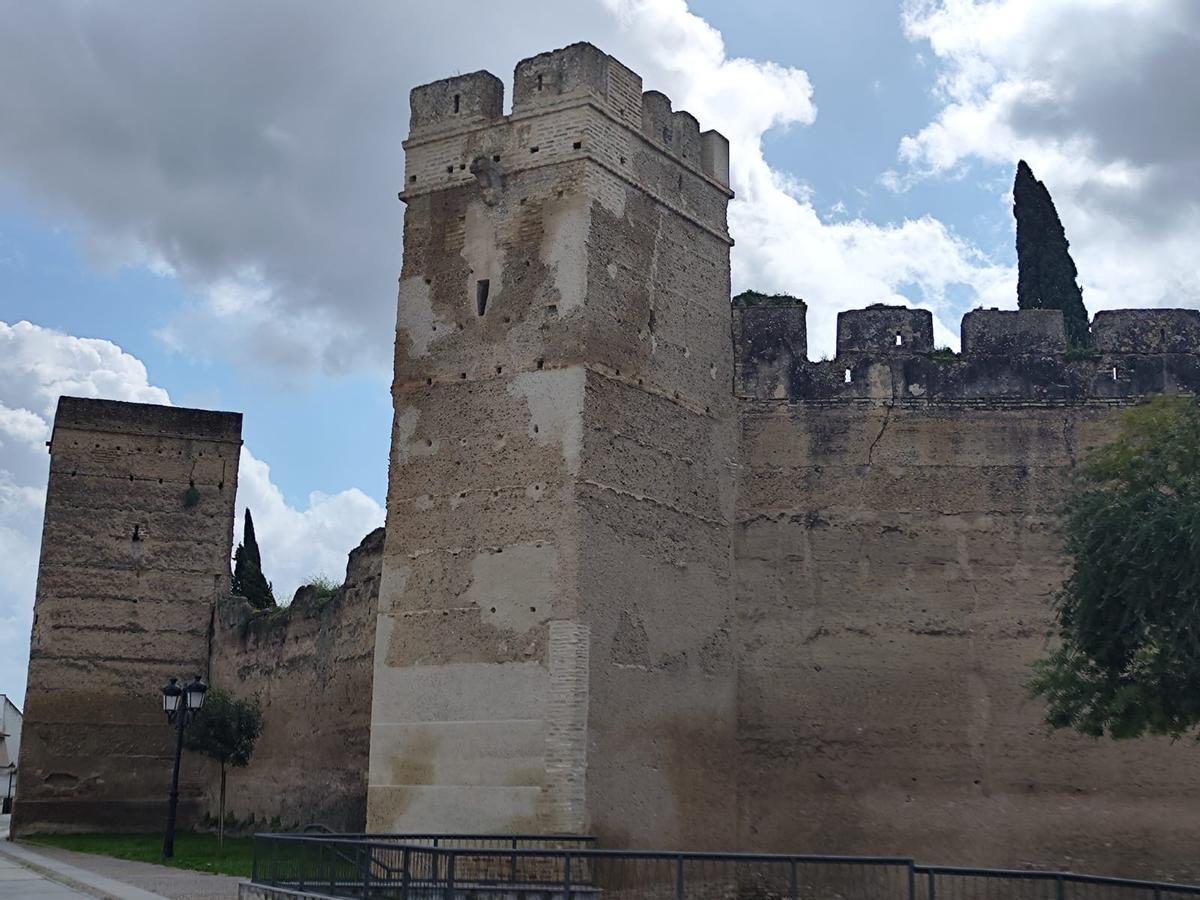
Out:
{"x": 192, "y": 851}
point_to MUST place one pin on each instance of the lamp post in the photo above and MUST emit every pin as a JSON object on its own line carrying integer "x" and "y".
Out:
{"x": 180, "y": 704}
{"x": 12, "y": 771}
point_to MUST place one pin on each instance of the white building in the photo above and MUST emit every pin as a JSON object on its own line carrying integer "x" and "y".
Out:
{"x": 10, "y": 745}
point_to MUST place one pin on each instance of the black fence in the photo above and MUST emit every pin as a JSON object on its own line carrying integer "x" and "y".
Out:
{"x": 550, "y": 867}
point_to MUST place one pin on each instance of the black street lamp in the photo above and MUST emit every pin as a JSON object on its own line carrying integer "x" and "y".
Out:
{"x": 11, "y": 768}
{"x": 181, "y": 705}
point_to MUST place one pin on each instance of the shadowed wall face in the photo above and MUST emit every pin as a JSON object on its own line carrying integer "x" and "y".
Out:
{"x": 135, "y": 552}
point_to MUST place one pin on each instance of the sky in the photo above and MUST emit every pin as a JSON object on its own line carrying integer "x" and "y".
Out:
{"x": 198, "y": 199}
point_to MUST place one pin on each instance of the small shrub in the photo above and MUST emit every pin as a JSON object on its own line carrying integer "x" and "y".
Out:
{"x": 943, "y": 354}
{"x": 1081, "y": 352}
{"x": 325, "y": 586}
{"x": 757, "y": 298}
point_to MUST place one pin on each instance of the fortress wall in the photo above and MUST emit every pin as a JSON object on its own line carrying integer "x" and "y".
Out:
{"x": 896, "y": 549}
{"x": 131, "y": 567}
{"x": 309, "y": 667}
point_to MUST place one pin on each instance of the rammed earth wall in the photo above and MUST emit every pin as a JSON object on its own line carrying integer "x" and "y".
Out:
{"x": 309, "y": 667}
{"x": 896, "y": 548}
{"x": 135, "y": 553}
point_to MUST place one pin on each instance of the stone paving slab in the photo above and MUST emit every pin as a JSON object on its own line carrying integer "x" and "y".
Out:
{"x": 106, "y": 877}
{"x": 18, "y": 882}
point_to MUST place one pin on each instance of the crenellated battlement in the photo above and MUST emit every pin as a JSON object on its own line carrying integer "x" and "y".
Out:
{"x": 576, "y": 103}
{"x": 887, "y": 352}
{"x": 458, "y": 103}
{"x": 885, "y": 330}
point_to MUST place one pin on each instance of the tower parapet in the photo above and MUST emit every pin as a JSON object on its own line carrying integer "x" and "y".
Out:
{"x": 573, "y": 103}
{"x": 455, "y": 104}
{"x": 887, "y": 352}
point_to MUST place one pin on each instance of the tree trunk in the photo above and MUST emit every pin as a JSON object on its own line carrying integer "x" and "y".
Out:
{"x": 221, "y": 823}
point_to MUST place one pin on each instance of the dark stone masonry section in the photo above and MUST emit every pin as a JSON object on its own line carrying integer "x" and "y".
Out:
{"x": 887, "y": 353}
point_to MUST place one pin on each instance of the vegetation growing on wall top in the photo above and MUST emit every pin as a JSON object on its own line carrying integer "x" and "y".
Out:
{"x": 756, "y": 298}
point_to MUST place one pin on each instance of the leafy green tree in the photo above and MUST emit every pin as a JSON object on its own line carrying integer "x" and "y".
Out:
{"x": 226, "y": 729}
{"x": 1129, "y": 614}
{"x": 248, "y": 578}
{"x": 1045, "y": 271}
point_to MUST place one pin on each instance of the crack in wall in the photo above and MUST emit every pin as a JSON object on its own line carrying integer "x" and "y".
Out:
{"x": 645, "y": 498}
{"x": 887, "y": 415}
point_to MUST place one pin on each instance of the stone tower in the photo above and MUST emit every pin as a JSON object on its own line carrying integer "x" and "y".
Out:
{"x": 135, "y": 551}
{"x": 553, "y": 637}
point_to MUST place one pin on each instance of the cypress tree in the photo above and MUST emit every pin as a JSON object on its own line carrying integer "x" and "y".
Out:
{"x": 1045, "y": 271}
{"x": 248, "y": 578}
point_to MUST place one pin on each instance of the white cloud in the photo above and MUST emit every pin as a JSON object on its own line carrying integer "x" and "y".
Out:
{"x": 1099, "y": 97}
{"x": 783, "y": 244}
{"x": 260, "y": 162}
{"x": 298, "y": 544}
{"x": 37, "y": 365}
{"x": 254, "y": 154}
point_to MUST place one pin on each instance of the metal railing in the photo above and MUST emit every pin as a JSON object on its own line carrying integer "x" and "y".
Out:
{"x": 961, "y": 883}
{"x": 553, "y": 867}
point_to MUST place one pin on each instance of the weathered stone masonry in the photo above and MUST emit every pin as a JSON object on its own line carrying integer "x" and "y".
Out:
{"x": 560, "y": 475}
{"x": 135, "y": 553}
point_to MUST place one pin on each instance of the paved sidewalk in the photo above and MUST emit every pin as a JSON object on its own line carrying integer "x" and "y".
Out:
{"x": 20, "y": 883}
{"x": 86, "y": 875}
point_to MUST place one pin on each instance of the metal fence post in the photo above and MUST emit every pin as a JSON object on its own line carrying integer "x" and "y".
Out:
{"x": 512, "y": 872}
{"x": 449, "y": 893}
{"x": 567, "y": 876}
{"x": 1060, "y": 888}
{"x": 793, "y": 889}
{"x": 333, "y": 866}
{"x": 405, "y": 877}
{"x": 254, "y": 860}
{"x": 679, "y": 878}
{"x": 912, "y": 881}
{"x": 364, "y": 864}
{"x": 932, "y": 888}
{"x": 274, "y": 860}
